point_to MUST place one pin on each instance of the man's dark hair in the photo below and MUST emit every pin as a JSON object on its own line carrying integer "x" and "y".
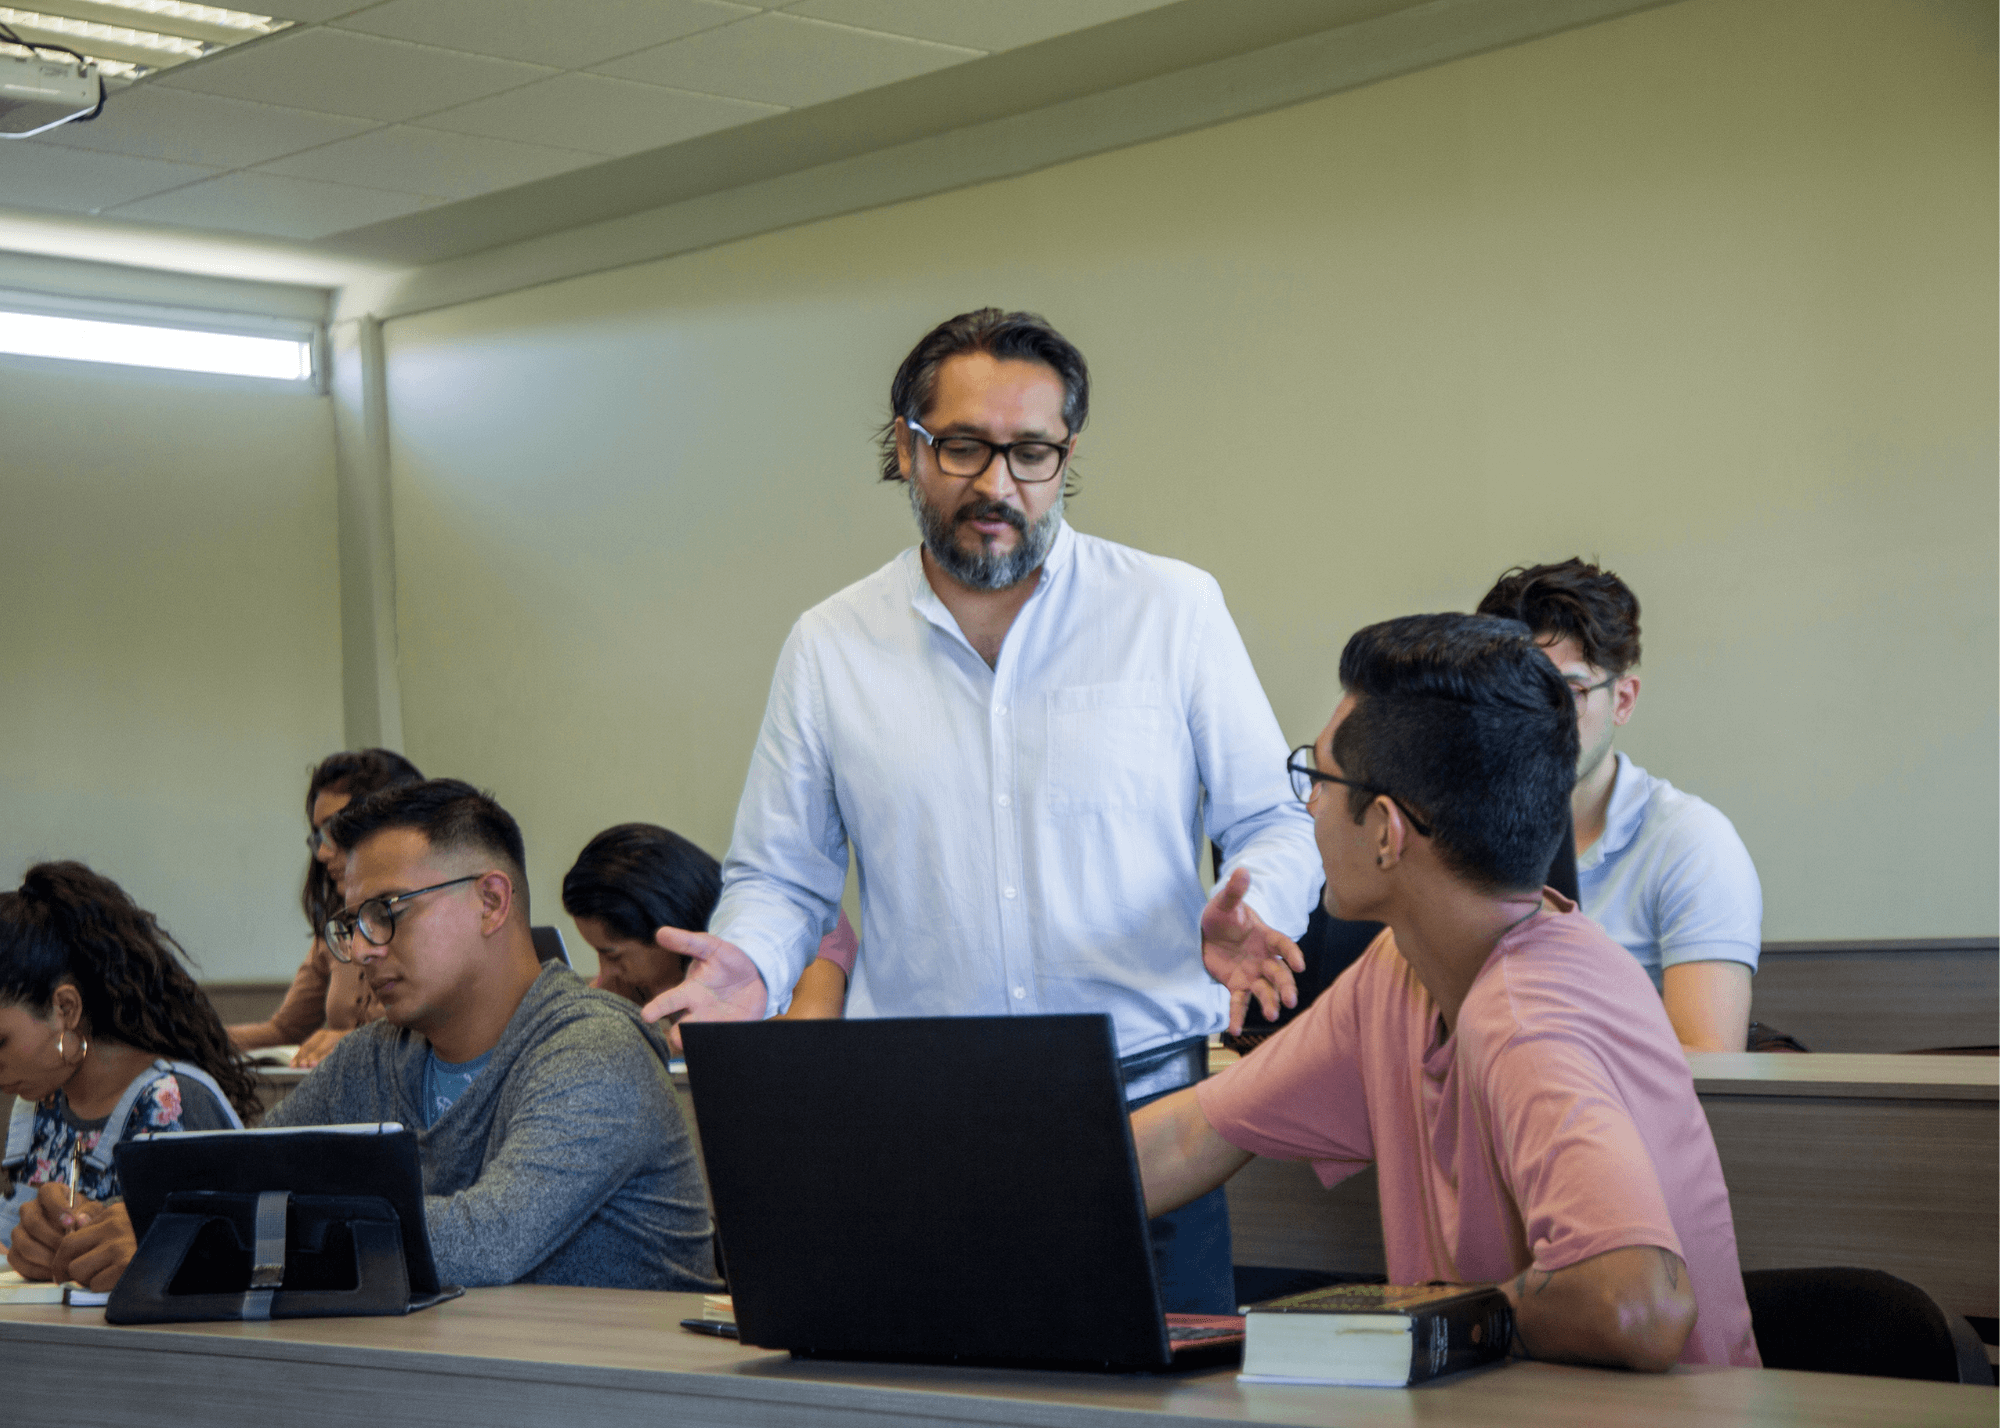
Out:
{"x": 1465, "y": 721}
{"x": 1021, "y": 336}
{"x": 356, "y": 773}
{"x": 452, "y": 815}
{"x": 637, "y": 878}
{"x": 1573, "y": 600}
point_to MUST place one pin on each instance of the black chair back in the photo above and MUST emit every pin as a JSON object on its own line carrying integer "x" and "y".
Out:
{"x": 1861, "y": 1321}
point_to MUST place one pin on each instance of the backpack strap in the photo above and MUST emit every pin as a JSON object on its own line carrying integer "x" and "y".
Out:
{"x": 117, "y": 1126}
{"x": 20, "y": 1138}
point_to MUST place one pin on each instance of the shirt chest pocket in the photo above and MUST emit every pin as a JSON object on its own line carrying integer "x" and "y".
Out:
{"x": 1110, "y": 746}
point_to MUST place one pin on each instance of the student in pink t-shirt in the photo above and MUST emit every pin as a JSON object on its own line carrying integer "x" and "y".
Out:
{"x": 1505, "y": 1065}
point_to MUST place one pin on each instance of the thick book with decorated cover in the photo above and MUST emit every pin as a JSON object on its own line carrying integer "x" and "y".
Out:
{"x": 1375, "y": 1335}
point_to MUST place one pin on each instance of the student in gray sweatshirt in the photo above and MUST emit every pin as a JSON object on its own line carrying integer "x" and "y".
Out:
{"x": 553, "y": 1149}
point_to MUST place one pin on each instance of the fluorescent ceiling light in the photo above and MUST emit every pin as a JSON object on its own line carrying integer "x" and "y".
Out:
{"x": 130, "y": 39}
{"x": 128, "y": 344}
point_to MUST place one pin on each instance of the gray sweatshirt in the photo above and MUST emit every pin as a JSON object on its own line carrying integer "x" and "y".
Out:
{"x": 566, "y": 1162}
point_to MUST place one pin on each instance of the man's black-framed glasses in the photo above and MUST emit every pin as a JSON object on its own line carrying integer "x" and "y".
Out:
{"x": 1584, "y": 691}
{"x": 376, "y": 918}
{"x": 1029, "y": 462}
{"x": 1303, "y": 767}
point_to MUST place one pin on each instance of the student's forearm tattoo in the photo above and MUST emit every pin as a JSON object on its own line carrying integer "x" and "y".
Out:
{"x": 1527, "y": 1283}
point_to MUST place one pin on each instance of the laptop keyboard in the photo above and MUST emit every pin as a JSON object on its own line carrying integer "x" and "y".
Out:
{"x": 1180, "y": 1335}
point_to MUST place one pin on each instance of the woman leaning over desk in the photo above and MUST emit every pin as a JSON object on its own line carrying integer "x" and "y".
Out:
{"x": 327, "y": 999}
{"x": 103, "y": 1035}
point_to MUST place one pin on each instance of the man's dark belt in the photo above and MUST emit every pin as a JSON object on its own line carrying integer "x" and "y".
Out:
{"x": 1164, "y": 1068}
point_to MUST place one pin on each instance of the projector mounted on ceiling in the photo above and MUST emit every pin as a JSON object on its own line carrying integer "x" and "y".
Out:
{"x": 40, "y": 90}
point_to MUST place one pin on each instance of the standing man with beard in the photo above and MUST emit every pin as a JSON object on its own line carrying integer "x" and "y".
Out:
{"x": 1023, "y": 732}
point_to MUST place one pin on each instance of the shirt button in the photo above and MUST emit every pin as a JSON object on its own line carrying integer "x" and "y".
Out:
{"x": 1010, "y": 892}
{"x": 1020, "y": 993}
{"x": 1001, "y": 710}
{"x": 1005, "y": 801}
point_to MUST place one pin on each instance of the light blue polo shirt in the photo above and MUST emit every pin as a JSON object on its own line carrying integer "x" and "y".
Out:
{"x": 1670, "y": 880}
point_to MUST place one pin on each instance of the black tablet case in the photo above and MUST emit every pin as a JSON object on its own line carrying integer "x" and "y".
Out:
{"x": 347, "y": 1206}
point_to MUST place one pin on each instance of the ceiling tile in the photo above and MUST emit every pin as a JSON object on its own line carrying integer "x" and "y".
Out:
{"x": 317, "y": 11}
{"x": 573, "y": 34}
{"x": 981, "y": 24}
{"x": 335, "y": 72}
{"x": 429, "y": 161}
{"x": 273, "y": 205}
{"x": 785, "y": 59}
{"x": 157, "y": 123}
{"x": 588, "y": 111}
{"x": 38, "y": 175}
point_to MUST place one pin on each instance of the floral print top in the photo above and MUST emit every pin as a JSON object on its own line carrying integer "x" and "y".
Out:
{"x": 169, "y": 1103}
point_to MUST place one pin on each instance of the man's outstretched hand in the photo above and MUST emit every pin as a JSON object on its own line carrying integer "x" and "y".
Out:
{"x": 1245, "y": 955}
{"x": 722, "y": 984}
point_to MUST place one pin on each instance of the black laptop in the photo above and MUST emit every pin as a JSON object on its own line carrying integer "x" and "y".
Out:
{"x": 950, "y": 1189}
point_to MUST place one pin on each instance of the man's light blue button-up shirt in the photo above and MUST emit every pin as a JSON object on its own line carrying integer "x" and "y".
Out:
{"x": 1028, "y": 836}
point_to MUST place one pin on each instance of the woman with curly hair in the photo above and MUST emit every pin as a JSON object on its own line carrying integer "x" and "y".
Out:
{"x": 103, "y": 1035}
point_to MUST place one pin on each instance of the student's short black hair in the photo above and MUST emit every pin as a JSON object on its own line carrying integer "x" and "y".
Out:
{"x": 1575, "y": 600}
{"x": 1462, "y": 718}
{"x": 451, "y": 814}
{"x": 638, "y": 877}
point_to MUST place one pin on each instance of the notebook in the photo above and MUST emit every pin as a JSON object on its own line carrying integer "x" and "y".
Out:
{"x": 950, "y": 1189}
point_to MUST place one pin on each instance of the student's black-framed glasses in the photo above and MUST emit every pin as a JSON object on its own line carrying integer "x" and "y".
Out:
{"x": 1302, "y": 766}
{"x": 376, "y": 918}
{"x": 1028, "y": 462}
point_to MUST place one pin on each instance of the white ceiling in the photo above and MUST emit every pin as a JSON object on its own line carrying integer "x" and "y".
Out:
{"x": 364, "y": 113}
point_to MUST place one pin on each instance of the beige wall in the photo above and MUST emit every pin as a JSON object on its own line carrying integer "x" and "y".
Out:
{"x": 1707, "y": 292}
{"x": 169, "y": 643}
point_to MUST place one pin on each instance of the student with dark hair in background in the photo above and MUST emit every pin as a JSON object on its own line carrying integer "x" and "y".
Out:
{"x": 1660, "y": 870}
{"x": 103, "y": 1034}
{"x": 632, "y": 880}
{"x": 328, "y": 998}
{"x": 1494, "y": 1054}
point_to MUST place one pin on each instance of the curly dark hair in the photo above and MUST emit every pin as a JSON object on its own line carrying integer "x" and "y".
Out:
{"x": 69, "y": 924}
{"x": 356, "y": 773}
{"x": 1021, "y": 336}
{"x": 1572, "y": 599}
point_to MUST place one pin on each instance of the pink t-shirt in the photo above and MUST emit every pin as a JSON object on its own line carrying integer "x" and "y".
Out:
{"x": 840, "y": 945}
{"x": 1557, "y": 1122}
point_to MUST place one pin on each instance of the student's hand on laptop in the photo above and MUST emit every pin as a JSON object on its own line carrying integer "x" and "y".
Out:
{"x": 1245, "y": 955}
{"x": 722, "y": 984}
{"x": 99, "y": 1245}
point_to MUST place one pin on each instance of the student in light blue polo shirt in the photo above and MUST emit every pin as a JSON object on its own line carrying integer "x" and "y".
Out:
{"x": 1663, "y": 872}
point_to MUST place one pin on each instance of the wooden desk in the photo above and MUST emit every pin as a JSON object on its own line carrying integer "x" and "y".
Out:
{"x": 1888, "y": 1162}
{"x": 534, "y": 1356}
{"x": 1882, "y": 996}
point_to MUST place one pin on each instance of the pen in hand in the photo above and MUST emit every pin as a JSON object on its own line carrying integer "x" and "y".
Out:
{"x": 75, "y": 1156}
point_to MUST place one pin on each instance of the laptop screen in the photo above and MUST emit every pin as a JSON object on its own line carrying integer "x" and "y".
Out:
{"x": 952, "y": 1188}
